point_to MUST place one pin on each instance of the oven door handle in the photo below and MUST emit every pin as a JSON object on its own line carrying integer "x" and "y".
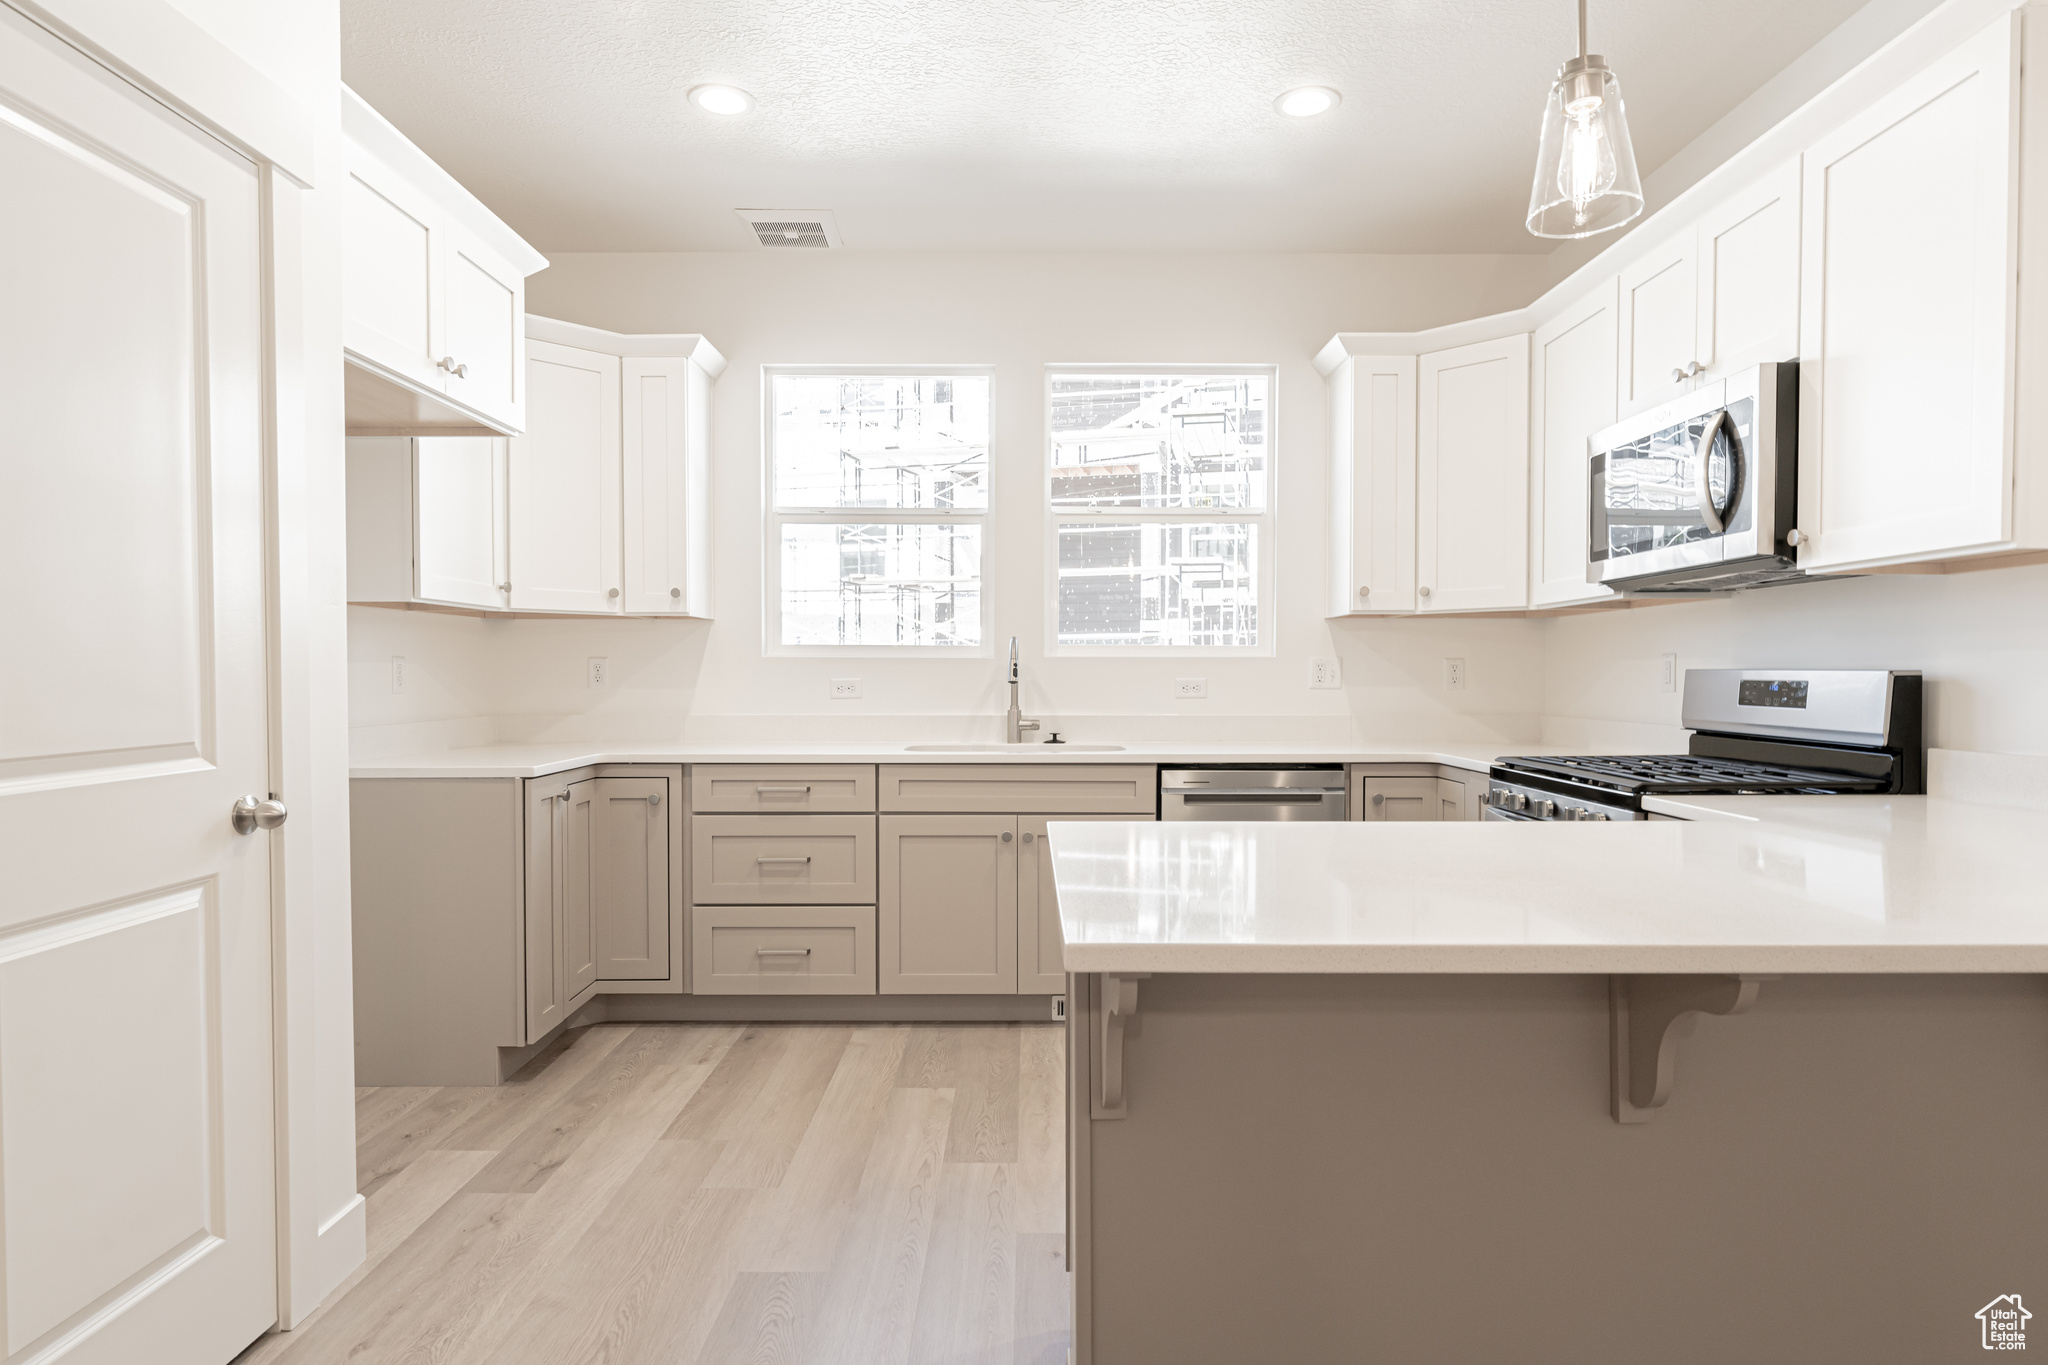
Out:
{"x": 1715, "y": 517}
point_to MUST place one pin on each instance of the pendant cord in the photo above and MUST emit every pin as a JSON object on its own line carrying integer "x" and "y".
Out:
{"x": 1582, "y": 29}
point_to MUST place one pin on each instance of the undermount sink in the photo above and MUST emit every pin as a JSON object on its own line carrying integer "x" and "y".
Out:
{"x": 1010, "y": 748}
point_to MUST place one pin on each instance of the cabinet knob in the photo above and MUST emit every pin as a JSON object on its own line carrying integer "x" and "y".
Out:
{"x": 1423, "y": 591}
{"x": 1029, "y": 837}
{"x": 1795, "y": 536}
{"x": 563, "y": 795}
{"x": 447, "y": 362}
{"x": 613, "y": 592}
{"x": 504, "y": 587}
{"x": 675, "y": 592}
{"x": 1365, "y": 592}
{"x": 1379, "y": 798}
{"x": 1006, "y": 836}
{"x": 654, "y": 800}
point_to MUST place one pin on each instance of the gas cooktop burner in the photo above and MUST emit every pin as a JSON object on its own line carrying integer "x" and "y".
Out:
{"x": 1692, "y": 774}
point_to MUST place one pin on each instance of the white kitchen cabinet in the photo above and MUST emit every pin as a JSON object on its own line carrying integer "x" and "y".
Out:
{"x": 947, "y": 916}
{"x": 565, "y": 503}
{"x": 1572, "y": 394}
{"x": 1748, "y": 311}
{"x": 433, "y": 295}
{"x": 461, "y": 550}
{"x": 666, "y": 435}
{"x": 1372, "y": 485}
{"x": 1659, "y": 322}
{"x": 1472, "y": 477}
{"x": 1907, "y": 351}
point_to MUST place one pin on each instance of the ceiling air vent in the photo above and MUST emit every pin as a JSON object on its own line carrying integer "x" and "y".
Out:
{"x": 793, "y": 229}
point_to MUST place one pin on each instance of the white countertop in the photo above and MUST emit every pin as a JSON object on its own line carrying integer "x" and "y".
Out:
{"x": 539, "y": 760}
{"x": 1765, "y": 884}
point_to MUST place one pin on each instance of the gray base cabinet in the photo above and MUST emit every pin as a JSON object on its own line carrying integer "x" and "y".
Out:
{"x": 948, "y": 908}
{"x": 1397, "y": 792}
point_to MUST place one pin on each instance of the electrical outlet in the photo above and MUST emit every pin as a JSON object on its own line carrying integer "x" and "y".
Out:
{"x": 1325, "y": 673}
{"x": 1670, "y": 676}
{"x": 1454, "y": 675}
{"x": 845, "y": 689}
{"x": 400, "y": 679}
{"x": 600, "y": 672}
{"x": 1185, "y": 688}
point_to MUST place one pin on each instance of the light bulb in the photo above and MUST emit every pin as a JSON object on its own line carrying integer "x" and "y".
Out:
{"x": 1307, "y": 101}
{"x": 1586, "y": 170}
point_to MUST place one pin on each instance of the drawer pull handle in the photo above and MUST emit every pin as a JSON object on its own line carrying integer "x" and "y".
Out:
{"x": 782, "y": 952}
{"x": 782, "y": 789}
{"x": 806, "y": 858}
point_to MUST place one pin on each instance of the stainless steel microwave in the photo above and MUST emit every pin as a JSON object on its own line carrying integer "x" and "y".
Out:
{"x": 1699, "y": 495}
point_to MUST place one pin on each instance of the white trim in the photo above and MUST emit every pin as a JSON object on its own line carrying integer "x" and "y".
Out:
{"x": 1265, "y": 518}
{"x": 371, "y": 131}
{"x": 774, "y": 518}
{"x": 164, "y": 53}
{"x": 652, "y": 346}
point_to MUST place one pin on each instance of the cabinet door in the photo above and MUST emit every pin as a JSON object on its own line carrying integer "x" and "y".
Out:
{"x": 630, "y": 878}
{"x": 1453, "y": 799}
{"x": 667, "y": 485}
{"x": 484, "y": 329}
{"x": 582, "y": 865}
{"x": 1402, "y": 798}
{"x": 547, "y": 999}
{"x": 1039, "y": 945}
{"x": 1572, "y": 396}
{"x": 459, "y": 536}
{"x": 1749, "y": 276}
{"x": 1472, "y": 535}
{"x": 1905, "y": 318}
{"x": 1659, "y": 323}
{"x": 391, "y": 296}
{"x": 1372, "y": 485}
{"x": 565, "y": 483}
{"x": 947, "y": 917}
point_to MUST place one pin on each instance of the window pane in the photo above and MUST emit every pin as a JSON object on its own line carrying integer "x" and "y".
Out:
{"x": 1159, "y": 440}
{"x": 881, "y": 440}
{"x": 1159, "y": 583}
{"x": 867, "y": 583}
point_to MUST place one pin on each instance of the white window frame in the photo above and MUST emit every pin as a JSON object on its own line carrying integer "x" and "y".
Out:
{"x": 1266, "y": 518}
{"x": 773, "y": 520}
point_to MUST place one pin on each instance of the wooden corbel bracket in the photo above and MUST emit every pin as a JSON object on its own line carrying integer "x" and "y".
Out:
{"x": 1647, "y": 1017}
{"x": 1116, "y": 1001}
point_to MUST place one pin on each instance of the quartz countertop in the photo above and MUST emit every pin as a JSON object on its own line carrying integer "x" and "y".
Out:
{"x": 1763, "y": 884}
{"x": 539, "y": 760}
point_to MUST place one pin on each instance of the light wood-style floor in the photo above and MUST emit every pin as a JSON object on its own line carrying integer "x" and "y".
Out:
{"x": 682, "y": 1193}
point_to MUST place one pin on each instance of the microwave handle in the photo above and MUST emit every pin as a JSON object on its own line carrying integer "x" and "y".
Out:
{"x": 1715, "y": 517}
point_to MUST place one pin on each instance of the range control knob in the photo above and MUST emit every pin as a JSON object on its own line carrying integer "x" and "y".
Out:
{"x": 1546, "y": 809}
{"x": 1599, "y": 815}
{"x": 1576, "y": 813}
{"x": 1518, "y": 801}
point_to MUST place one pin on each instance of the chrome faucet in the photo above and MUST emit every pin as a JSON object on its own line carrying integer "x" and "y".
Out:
{"x": 1016, "y": 724}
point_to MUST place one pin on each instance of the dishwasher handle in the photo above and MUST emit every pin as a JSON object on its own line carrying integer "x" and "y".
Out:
{"x": 1264, "y": 796}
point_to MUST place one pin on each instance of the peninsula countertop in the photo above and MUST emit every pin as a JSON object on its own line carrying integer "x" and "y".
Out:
{"x": 1762, "y": 884}
{"x": 540, "y": 760}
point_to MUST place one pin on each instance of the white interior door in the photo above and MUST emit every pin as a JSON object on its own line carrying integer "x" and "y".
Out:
{"x": 137, "y": 1218}
{"x": 565, "y": 483}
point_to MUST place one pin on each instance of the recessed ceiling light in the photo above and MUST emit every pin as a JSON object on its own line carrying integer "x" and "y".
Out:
{"x": 721, "y": 99}
{"x": 1308, "y": 101}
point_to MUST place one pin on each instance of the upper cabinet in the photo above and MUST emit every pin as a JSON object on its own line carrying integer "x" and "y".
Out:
{"x": 1472, "y": 477}
{"x": 434, "y": 294}
{"x": 1372, "y": 485}
{"x": 1573, "y": 382}
{"x": 1907, "y": 351}
{"x": 602, "y": 507}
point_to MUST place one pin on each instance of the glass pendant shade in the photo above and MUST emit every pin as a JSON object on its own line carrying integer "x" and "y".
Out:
{"x": 1586, "y": 178}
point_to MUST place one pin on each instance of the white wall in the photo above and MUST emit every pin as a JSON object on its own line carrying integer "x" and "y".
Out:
{"x": 1017, "y": 313}
{"x": 1981, "y": 639}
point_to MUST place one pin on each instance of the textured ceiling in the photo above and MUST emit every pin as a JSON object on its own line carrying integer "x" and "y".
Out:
{"x": 1037, "y": 124}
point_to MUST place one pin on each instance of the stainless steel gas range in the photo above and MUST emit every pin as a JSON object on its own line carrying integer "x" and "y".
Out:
{"x": 1753, "y": 730}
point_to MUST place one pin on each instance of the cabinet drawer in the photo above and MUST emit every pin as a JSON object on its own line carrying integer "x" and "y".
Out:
{"x": 1122, "y": 789}
{"x": 781, "y": 787}
{"x": 782, "y": 859}
{"x": 815, "y": 950}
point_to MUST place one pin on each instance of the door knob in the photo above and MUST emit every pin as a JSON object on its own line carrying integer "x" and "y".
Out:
{"x": 250, "y": 815}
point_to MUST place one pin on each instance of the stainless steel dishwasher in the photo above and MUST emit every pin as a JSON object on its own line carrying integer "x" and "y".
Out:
{"x": 1266, "y": 792}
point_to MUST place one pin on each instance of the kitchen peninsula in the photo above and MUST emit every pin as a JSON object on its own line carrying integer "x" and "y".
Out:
{"x": 1458, "y": 1092}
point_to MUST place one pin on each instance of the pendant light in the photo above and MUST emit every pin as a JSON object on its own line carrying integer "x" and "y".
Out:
{"x": 1586, "y": 178}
